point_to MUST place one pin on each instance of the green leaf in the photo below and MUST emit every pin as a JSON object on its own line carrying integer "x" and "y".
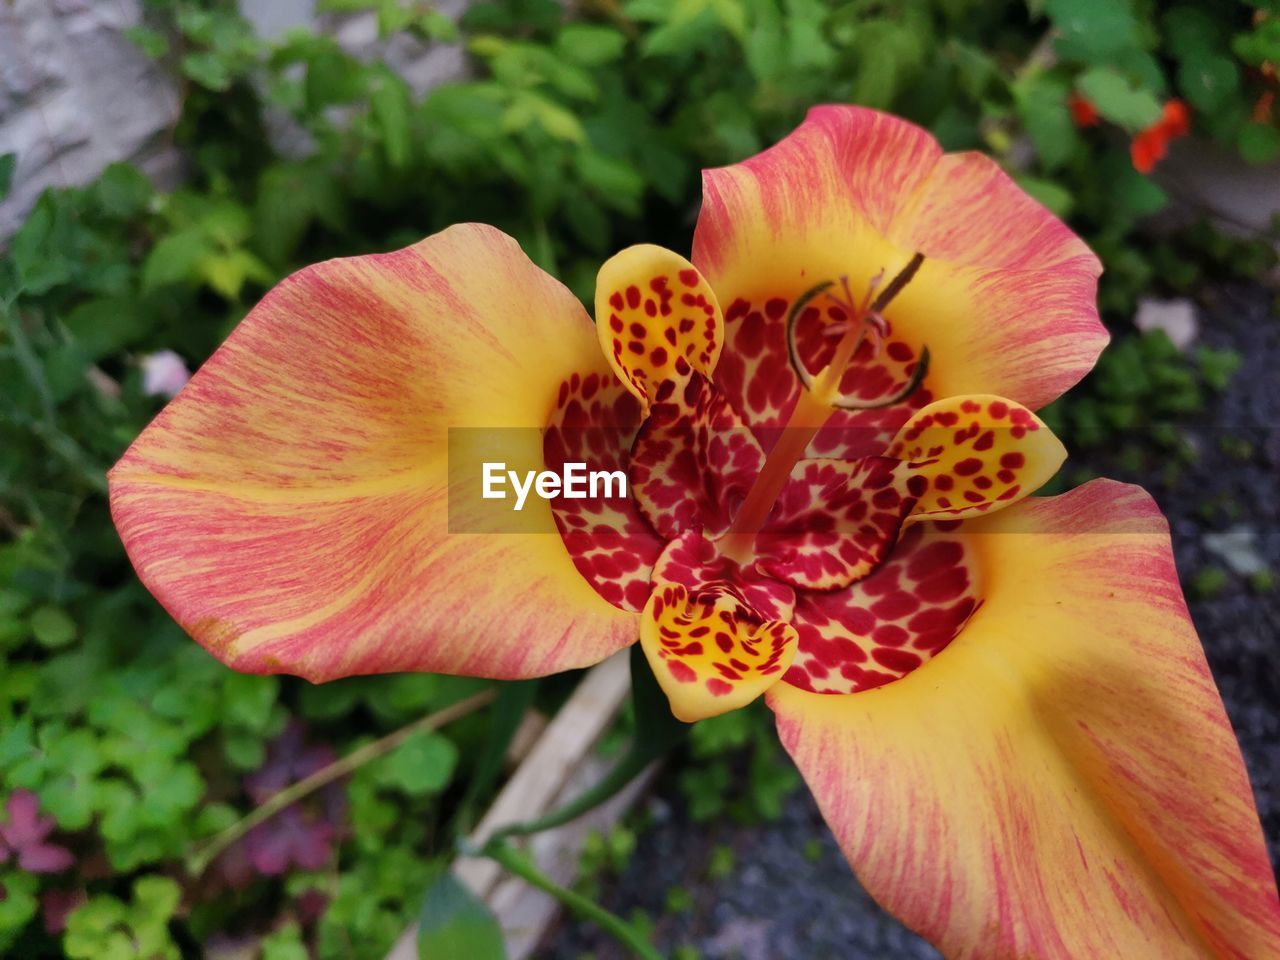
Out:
{"x": 1130, "y": 192}
{"x": 1190, "y": 30}
{"x": 151, "y": 42}
{"x": 227, "y": 272}
{"x": 244, "y": 751}
{"x": 390, "y": 102}
{"x": 18, "y": 903}
{"x": 8, "y": 163}
{"x": 529, "y": 108}
{"x": 52, "y": 627}
{"x": 176, "y": 259}
{"x": 292, "y": 196}
{"x": 1261, "y": 46}
{"x": 106, "y": 326}
{"x": 123, "y": 191}
{"x": 590, "y": 46}
{"x": 421, "y": 765}
{"x": 1209, "y": 80}
{"x": 454, "y": 922}
{"x": 616, "y": 182}
{"x": 248, "y": 700}
{"x": 1118, "y": 98}
{"x": 208, "y": 69}
{"x": 1092, "y": 31}
{"x": 1042, "y": 105}
{"x": 505, "y": 716}
{"x": 1258, "y": 143}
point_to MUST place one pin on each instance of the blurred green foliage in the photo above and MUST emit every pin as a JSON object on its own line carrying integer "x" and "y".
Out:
{"x": 578, "y": 135}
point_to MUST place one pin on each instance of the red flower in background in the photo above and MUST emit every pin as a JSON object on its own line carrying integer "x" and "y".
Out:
{"x": 1084, "y": 113}
{"x": 1150, "y": 146}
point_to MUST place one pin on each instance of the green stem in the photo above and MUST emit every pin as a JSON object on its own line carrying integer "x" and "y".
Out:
{"x": 657, "y": 732}
{"x": 199, "y": 861}
{"x": 521, "y": 866}
{"x": 634, "y": 763}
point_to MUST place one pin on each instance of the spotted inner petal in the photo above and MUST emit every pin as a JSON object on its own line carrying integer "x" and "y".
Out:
{"x": 881, "y": 628}
{"x": 756, "y": 374}
{"x": 693, "y": 460}
{"x": 657, "y": 318}
{"x": 695, "y": 561}
{"x": 834, "y": 523}
{"x": 710, "y": 650}
{"x": 611, "y": 543}
{"x": 966, "y": 456}
{"x": 883, "y": 370}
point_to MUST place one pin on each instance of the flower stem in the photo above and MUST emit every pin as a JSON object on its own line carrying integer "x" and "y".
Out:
{"x": 523, "y": 867}
{"x": 657, "y": 732}
{"x": 200, "y": 859}
{"x": 806, "y": 419}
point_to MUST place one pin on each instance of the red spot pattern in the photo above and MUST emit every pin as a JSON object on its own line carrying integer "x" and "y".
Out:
{"x": 883, "y": 627}
{"x": 879, "y": 368}
{"x": 870, "y": 602}
{"x": 693, "y": 460}
{"x": 756, "y": 374}
{"x": 695, "y": 562}
{"x": 611, "y": 543}
{"x": 834, "y": 522}
{"x": 660, "y": 327}
{"x": 968, "y": 456}
{"x": 712, "y": 636}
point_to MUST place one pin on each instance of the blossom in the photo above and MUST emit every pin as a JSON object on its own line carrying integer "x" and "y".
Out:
{"x": 24, "y": 836}
{"x": 1083, "y": 112}
{"x": 299, "y": 835}
{"x": 164, "y": 373}
{"x": 1150, "y": 146}
{"x": 827, "y": 418}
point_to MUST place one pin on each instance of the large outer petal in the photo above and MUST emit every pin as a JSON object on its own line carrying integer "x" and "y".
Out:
{"x": 1062, "y": 781}
{"x": 291, "y": 507}
{"x": 1006, "y": 298}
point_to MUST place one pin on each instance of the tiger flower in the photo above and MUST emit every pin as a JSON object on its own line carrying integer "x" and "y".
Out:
{"x": 826, "y": 416}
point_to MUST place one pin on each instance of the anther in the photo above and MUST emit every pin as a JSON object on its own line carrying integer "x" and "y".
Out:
{"x": 866, "y": 319}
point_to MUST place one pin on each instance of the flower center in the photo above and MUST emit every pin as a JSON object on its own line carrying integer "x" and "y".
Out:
{"x": 821, "y": 396}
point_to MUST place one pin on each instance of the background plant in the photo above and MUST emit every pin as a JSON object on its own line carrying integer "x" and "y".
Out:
{"x": 577, "y": 134}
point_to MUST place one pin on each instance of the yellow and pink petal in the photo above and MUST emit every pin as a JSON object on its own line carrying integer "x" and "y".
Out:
{"x": 1062, "y": 781}
{"x": 1005, "y": 299}
{"x": 291, "y": 507}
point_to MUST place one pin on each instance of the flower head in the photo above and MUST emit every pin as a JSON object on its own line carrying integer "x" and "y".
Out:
{"x": 1083, "y": 112}
{"x": 164, "y": 373}
{"x": 24, "y": 836}
{"x": 826, "y": 415}
{"x": 1150, "y": 146}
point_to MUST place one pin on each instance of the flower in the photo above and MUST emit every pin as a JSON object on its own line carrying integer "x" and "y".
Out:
{"x": 1083, "y": 112}
{"x": 1150, "y": 146}
{"x": 164, "y": 373}
{"x": 299, "y": 835}
{"x": 999, "y": 702}
{"x": 24, "y": 836}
